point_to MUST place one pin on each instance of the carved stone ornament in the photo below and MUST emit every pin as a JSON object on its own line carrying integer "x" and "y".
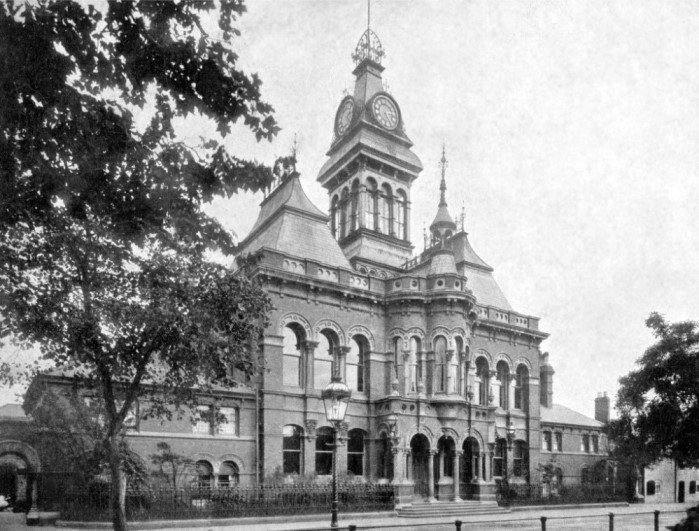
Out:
{"x": 311, "y": 428}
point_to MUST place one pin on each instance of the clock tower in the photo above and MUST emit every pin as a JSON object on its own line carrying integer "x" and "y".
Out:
{"x": 370, "y": 168}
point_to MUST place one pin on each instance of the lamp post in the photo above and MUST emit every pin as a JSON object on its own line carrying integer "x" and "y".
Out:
{"x": 336, "y": 398}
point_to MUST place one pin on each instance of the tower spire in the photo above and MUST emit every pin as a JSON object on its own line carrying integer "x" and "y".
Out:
{"x": 443, "y": 163}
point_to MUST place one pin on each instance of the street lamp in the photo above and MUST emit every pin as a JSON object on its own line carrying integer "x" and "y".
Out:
{"x": 336, "y": 398}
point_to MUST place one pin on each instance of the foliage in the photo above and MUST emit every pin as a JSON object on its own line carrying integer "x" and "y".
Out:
{"x": 171, "y": 465}
{"x": 103, "y": 238}
{"x": 658, "y": 402}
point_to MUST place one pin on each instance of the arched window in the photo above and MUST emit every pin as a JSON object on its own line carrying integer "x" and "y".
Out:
{"x": 482, "y": 378}
{"x": 291, "y": 364}
{"x": 413, "y": 363}
{"x": 355, "y": 452}
{"x": 324, "y": 451}
{"x": 370, "y": 221}
{"x": 354, "y": 206}
{"x": 499, "y": 457}
{"x": 228, "y": 474}
{"x": 519, "y": 458}
{"x": 205, "y": 474}
{"x": 334, "y": 216}
{"x": 400, "y": 217}
{"x": 385, "y": 207}
{"x": 522, "y": 388}
{"x": 397, "y": 345}
{"x": 356, "y": 363}
{"x": 323, "y": 359}
{"x": 503, "y": 377}
{"x": 292, "y": 449}
{"x": 344, "y": 211}
{"x": 459, "y": 359}
{"x": 440, "y": 355}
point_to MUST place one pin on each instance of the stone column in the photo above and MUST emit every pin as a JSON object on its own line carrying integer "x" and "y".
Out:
{"x": 429, "y": 375}
{"x": 447, "y": 362}
{"x": 457, "y": 475}
{"x": 398, "y": 465}
{"x": 33, "y": 513}
{"x": 492, "y": 376}
{"x": 309, "y": 348}
{"x": 511, "y": 391}
{"x": 309, "y": 448}
{"x": 430, "y": 470}
{"x": 406, "y": 372}
{"x": 342, "y": 362}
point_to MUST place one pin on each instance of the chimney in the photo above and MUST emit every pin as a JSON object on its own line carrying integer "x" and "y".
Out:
{"x": 546, "y": 373}
{"x": 602, "y": 408}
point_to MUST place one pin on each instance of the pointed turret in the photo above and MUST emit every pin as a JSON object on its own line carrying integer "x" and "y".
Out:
{"x": 443, "y": 225}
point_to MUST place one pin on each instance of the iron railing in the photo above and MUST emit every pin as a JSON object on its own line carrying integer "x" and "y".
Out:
{"x": 547, "y": 494}
{"x": 92, "y": 504}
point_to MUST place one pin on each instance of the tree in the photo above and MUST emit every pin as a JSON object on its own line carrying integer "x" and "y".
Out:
{"x": 104, "y": 244}
{"x": 171, "y": 465}
{"x": 658, "y": 403}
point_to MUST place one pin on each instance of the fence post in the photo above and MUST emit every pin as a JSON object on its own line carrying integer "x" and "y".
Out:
{"x": 457, "y": 523}
{"x": 543, "y": 523}
{"x": 611, "y": 521}
{"x": 656, "y": 520}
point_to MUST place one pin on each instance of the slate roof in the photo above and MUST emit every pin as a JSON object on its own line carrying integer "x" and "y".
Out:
{"x": 559, "y": 414}
{"x": 291, "y": 224}
{"x": 485, "y": 288}
{"x": 380, "y": 146}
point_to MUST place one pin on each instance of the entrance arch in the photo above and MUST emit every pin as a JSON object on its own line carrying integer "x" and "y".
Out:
{"x": 19, "y": 465}
{"x": 420, "y": 452}
{"x": 470, "y": 464}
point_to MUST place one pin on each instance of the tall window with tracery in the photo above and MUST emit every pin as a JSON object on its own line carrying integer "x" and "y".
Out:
{"x": 400, "y": 215}
{"x": 371, "y": 204}
{"x": 522, "y": 388}
{"x": 323, "y": 359}
{"x": 482, "y": 380}
{"x": 291, "y": 359}
{"x": 503, "y": 377}
{"x": 440, "y": 353}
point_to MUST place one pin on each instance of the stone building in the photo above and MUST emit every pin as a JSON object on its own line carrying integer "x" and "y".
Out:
{"x": 451, "y": 392}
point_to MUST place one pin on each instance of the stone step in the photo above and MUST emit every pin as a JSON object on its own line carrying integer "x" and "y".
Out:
{"x": 421, "y": 510}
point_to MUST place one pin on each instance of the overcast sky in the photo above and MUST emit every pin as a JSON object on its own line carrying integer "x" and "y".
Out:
{"x": 572, "y": 134}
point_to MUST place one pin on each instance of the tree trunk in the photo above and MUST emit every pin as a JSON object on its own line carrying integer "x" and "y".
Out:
{"x": 117, "y": 495}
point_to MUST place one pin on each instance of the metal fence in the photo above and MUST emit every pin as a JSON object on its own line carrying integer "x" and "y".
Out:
{"x": 92, "y": 504}
{"x": 547, "y": 494}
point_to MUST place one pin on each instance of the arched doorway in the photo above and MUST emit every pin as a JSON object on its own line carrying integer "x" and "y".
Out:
{"x": 470, "y": 467}
{"x": 444, "y": 468}
{"x": 420, "y": 452}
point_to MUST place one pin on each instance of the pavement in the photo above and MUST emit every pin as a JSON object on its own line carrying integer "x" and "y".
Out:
{"x": 626, "y": 517}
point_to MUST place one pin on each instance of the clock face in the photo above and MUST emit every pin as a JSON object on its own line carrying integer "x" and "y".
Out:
{"x": 343, "y": 120}
{"x": 385, "y": 112}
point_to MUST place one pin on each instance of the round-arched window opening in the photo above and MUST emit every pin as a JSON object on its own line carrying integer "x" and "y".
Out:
{"x": 457, "y": 284}
{"x": 397, "y": 283}
{"x": 414, "y": 283}
{"x": 440, "y": 283}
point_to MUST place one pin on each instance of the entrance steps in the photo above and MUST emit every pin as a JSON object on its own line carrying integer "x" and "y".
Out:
{"x": 450, "y": 508}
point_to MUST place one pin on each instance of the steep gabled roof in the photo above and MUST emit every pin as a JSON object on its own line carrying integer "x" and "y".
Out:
{"x": 291, "y": 224}
{"x": 558, "y": 414}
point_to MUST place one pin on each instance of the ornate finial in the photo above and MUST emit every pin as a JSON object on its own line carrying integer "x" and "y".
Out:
{"x": 294, "y": 149}
{"x": 369, "y": 45}
{"x": 463, "y": 217}
{"x": 443, "y": 163}
{"x": 424, "y": 236}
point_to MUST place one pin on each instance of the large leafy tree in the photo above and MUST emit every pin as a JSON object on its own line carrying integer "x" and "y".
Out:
{"x": 103, "y": 239}
{"x": 658, "y": 402}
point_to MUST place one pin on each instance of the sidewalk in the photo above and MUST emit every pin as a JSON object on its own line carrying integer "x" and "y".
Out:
{"x": 386, "y": 520}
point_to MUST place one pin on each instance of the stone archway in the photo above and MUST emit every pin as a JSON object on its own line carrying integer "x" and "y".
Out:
{"x": 19, "y": 466}
{"x": 421, "y": 467}
{"x": 471, "y": 467}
